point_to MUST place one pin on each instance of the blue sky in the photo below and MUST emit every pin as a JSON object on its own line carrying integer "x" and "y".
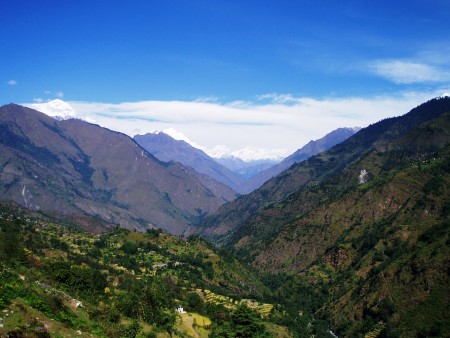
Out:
{"x": 226, "y": 53}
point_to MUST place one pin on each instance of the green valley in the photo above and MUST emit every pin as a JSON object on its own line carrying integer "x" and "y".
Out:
{"x": 352, "y": 242}
{"x": 357, "y": 236}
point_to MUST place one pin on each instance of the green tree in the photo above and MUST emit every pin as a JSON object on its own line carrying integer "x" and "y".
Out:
{"x": 11, "y": 249}
{"x": 242, "y": 323}
{"x": 194, "y": 302}
{"x": 129, "y": 248}
{"x": 132, "y": 330}
{"x": 225, "y": 330}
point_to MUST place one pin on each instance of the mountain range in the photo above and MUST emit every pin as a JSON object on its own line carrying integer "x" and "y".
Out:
{"x": 366, "y": 223}
{"x": 355, "y": 238}
{"x": 74, "y": 167}
{"x": 245, "y": 169}
{"x": 70, "y": 166}
{"x": 243, "y": 177}
{"x": 167, "y": 149}
{"x": 310, "y": 149}
{"x": 316, "y": 169}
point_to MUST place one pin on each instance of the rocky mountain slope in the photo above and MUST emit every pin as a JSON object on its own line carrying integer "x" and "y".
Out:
{"x": 74, "y": 167}
{"x": 366, "y": 223}
{"x": 167, "y": 149}
{"x": 317, "y": 169}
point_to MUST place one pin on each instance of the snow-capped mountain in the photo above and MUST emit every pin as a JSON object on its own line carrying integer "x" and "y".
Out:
{"x": 58, "y": 109}
{"x": 166, "y": 148}
{"x": 248, "y": 154}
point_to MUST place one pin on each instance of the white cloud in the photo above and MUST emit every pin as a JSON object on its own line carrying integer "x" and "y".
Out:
{"x": 273, "y": 126}
{"x": 276, "y": 127}
{"x": 12, "y": 82}
{"x": 59, "y": 94}
{"x": 212, "y": 99}
{"x": 407, "y": 72}
{"x": 278, "y": 98}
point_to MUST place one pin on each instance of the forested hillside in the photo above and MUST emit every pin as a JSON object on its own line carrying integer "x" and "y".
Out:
{"x": 361, "y": 232}
{"x": 63, "y": 282}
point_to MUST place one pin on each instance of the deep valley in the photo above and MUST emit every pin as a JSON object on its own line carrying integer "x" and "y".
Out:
{"x": 103, "y": 236}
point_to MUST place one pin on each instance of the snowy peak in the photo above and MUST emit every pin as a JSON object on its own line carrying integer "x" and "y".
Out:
{"x": 58, "y": 109}
{"x": 248, "y": 154}
{"x": 221, "y": 152}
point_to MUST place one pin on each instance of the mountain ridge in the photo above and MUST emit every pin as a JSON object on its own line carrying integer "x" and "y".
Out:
{"x": 357, "y": 236}
{"x": 375, "y": 249}
{"x": 313, "y": 170}
{"x": 246, "y": 169}
{"x": 243, "y": 177}
{"x": 312, "y": 148}
{"x": 74, "y": 166}
{"x": 167, "y": 149}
